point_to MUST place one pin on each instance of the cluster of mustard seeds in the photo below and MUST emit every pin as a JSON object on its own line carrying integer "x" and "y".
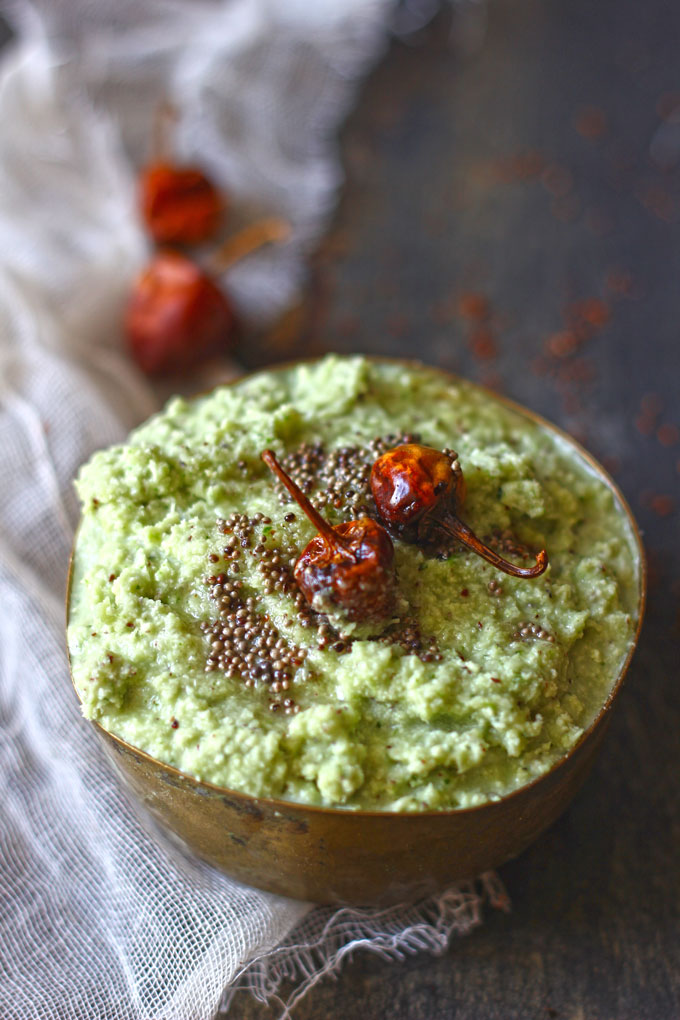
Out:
{"x": 340, "y": 478}
{"x": 453, "y": 460}
{"x": 528, "y": 630}
{"x": 408, "y": 636}
{"x": 243, "y": 642}
{"x": 302, "y": 464}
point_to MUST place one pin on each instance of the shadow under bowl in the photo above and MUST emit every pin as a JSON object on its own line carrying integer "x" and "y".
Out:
{"x": 332, "y": 855}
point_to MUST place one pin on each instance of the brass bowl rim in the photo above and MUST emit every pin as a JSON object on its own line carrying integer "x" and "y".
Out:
{"x": 286, "y": 806}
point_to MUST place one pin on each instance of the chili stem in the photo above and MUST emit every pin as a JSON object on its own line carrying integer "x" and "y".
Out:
{"x": 452, "y": 525}
{"x": 321, "y": 525}
{"x": 248, "y": 240}
{"x": 164, "y": 120}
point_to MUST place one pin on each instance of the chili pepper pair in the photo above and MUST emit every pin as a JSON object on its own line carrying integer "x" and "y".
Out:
{"x": 417, "y": 491}
{"x": 177, "y": 315}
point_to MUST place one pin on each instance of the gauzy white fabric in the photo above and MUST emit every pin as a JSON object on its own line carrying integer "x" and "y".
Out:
{"x": 101, "y": 917}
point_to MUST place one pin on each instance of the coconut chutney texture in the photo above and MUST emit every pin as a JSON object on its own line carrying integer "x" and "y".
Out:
{"x": 190, "y": 640}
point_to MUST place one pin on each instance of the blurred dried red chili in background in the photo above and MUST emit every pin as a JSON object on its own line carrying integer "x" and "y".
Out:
{"x": 177, "y": 315}
{"x": 178, "y": 204}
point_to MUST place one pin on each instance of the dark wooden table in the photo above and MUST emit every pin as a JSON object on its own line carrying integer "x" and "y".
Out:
{"x": 539, "y": 173}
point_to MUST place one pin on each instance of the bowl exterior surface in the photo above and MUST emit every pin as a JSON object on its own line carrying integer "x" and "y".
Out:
{"x": 346, "y": 856}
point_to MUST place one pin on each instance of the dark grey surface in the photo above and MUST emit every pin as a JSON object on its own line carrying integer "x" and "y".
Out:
{"x": 429, "y": 214}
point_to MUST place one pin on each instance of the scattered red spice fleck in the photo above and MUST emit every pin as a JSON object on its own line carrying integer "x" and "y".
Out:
{"x": 668, "y": 106}
{"x": 668, "y": 435}
{"x": 129, "y": 624}
{"x": 590, "y": 122}
{"x": 495, "y": 680}
{"x": 662, "y": 505}
{"x": 528, "y": 163}
{"x": 619, "y": 282}
{"x": 591, "y": 311}
{"x": 480, "y": 624}
{"x": 561, "y": 345}
{"x": 644, "y": 424}
{"x": 465, "y": 593}
{"x": 660, "y": 203}
{"x": 473, "y": 306}
{"x": 483, "y": 344}
{"x": 174, "y": 723}
{"x": 596, "y": 312}
{"x": 112, "y": 577}
{"x": 557, "y": 179}
{"x": 651, "y": 406}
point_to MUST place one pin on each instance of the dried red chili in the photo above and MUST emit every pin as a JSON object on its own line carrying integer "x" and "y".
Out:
{"x": 350, "y": 565}
{"x": 179, "y": 204}
{"x": 177, "y": 315}
{"x": 418, "y": 490}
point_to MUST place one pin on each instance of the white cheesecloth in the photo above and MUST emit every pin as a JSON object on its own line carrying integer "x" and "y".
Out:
{"x": 99, "y": 919}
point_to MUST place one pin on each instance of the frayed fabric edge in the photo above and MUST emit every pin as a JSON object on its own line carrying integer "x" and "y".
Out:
{"x": 328, "y": 936}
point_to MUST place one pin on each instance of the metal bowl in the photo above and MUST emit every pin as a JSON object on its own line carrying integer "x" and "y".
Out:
{"x": 331, "y": 855}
